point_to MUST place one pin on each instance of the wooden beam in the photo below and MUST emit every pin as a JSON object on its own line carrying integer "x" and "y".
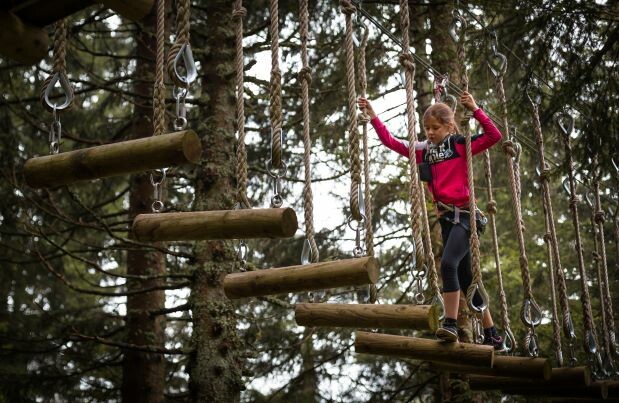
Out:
{"x": 598, "y": 390}
{"x": 316, "y": 276}
{"x": 21, "y": 42}
{"x": 572, "y": 375}
{"x": 41, "y": 13}
{"x": 368, "y": 316}
{"x": 219, "y": 224}
{"x": 576, "y": 378}
{"x": 113, "y": 159}
{"x": 505, "y": 366}
{"x": 132, "y": 9}
{"x": 424, "y": 349}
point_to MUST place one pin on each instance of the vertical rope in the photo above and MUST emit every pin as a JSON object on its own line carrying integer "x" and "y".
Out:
{"x": 275, "y": 104}
{"x": 552, "y": 233}
{"x": 492, "y": 210}
{"x": 427, "y": 238}
{"x": 348, "y": 8}
{"x": 238, "y": 14}
{"x": 408, "y": 64}
{"x": 183, "y": 13}
{"x": 305, "y": 78}
{"x": 556, "y": 326}
{"x": 159, "y": 87}
{"x": 59, "y": 65}
{"x": 605, "y": 296}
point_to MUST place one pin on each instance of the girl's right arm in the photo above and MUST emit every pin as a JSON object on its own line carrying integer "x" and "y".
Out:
{"x": 399, "y": 146}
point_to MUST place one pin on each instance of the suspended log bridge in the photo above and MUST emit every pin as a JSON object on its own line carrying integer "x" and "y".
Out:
{"x": 597, "y": 390}
{"x": 420, "y": 317}
{"x": 505, "y": 366}
{"x": 316, "y": 276}
{"x": 216, "y": 224}
{"x": 424, "y": 349}
{"x": 23, "y": 36}
{"x": 113, "y": 159}
{"x": 559, "y": 377}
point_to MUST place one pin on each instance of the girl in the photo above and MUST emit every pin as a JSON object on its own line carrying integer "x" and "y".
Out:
{"x": 442, "y": 163}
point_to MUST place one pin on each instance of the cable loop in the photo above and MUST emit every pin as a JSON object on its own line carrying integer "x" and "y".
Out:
{"x": 530, "y": 313}
{"x": 470, "y": 295}
{"x": 565, "y": 121}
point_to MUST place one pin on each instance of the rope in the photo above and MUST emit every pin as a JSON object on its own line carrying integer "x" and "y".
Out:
{"x": 238, "y": 14}
{"x": 427, "y": 238}
{"x": 159, "y": 124}
{"x": 183, "y": 13}
{"x": 305, "y": 78}
{"x": 59, "y": 64}
{"x": 408, "y": 64}
{"x": 364, "y": 119}
{"x": 347, "y": 8}
{"x": 551, "y": 235}
{"x": 602, "y": 268}
{"x": 585, "y": 299}
{"x": 492, "y": 210}
{"x": 275, "y": 104}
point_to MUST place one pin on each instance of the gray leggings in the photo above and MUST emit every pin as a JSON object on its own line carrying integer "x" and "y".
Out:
{"x": 456, "y": 259}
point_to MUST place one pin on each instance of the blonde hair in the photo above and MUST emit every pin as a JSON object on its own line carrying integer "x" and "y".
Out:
{"x": 441, "y": 112}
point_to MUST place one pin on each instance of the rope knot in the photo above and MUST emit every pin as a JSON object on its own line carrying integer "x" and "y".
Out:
{"x": 547, "y": 237}
{"x": 363, "y": 118}
{"x": 599, "y": 217}
{"x": 574, "y": 201}
{"x": 407, "y": 61}
{"x": 491, "y": 207}
{"x": 347, "y": 7}
{"x": 509, "y": 148}
{"x": 544, "y": 174}
{"x": 239, "y": 13}
{"x": 305, "y": 74}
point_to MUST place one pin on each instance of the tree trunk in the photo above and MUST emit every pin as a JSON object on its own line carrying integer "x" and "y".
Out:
{"x": 144, "y": 373}
{"x": 215, "y": 365}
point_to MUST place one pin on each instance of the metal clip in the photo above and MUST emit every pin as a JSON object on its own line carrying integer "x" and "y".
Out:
{"x": 191, "y": 72}
{"x": 55, "y": 133}
{"x": 478, "y": 330}
{"x": 242, "y": 253}
{"x": 565, "y": 121}
{"x": 180, "y": 93}
{"x": 157, "y": 205}
{"x": 276, "y": 200}
{"x": 358, "y": 250}
{"x": 532, "y": 343}
{"x": 419, "y": 298}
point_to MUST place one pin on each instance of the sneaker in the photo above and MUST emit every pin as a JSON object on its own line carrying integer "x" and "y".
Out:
{"x": 494, "y": 341}
{"x": 447, "y": 333}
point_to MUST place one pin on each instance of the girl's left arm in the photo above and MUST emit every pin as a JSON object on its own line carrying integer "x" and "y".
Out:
{"x": 489, "y": 137}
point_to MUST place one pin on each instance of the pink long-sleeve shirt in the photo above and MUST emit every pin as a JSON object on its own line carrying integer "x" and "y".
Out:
{"x": 447, "y": 161}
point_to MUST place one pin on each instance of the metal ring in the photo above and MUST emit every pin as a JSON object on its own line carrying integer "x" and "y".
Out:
{"x": 276, "y": 172}
{"x": 359, "y": 222}
{"x": 157, "y": 206}
{"x": 277, "y": 201}
{"x": 180, "y": 123}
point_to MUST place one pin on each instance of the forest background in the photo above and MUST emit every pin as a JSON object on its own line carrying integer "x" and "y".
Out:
{"x": 88, "y": 314}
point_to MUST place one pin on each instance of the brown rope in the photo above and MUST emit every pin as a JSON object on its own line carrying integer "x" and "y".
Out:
{"x": 183, "y": 13}
{"x": 305, "y": 78}
{"x": 159, "y": 123}
{"x": 552, "y": 233}
{"x": 275, "y": 104}
{"x": 408, "y": 64}
{"x": 492, "y": 210}
{"x": 602, "y": 269}
{"x": 59, "y": 65}
{"x": 348, "y": 8}
{"x": 238, "y": 14}
{"x": 427, "y": 238}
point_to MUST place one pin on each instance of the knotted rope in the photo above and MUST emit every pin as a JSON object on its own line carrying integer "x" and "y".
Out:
{"x": 275, "y": 104}
{"x": 183, "y": 13}
{"x": 159, "y": 123}
{"x": 551, "y": 233}
{"x": 364, "y": 119}
{"x": 348, "y": 8}
{"x": 305, "y": 78}
{"x": 238, "y": 14}
{"x": 408, "y": 64}
{"x": 59, "y": 65}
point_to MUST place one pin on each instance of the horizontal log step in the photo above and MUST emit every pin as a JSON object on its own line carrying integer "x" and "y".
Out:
{"x": 424, "y": 349}
{"x": 217, "y": 224}
{"x": 113, "y": 159}
{"x": 420, "y": 317}
{"x": 315, "y": 276}
{"x": 505, "y": 366}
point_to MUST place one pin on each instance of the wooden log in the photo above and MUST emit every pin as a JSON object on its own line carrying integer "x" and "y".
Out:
{"x": 572, "y": 376}
{"x": 218, "y": 224}
{"x": 368, "y": 316}
{"x": 575, "y": 378}
{"x": 424, "y": 349}
{"x": 505, "y": 366}
{"x": 113, "y": 159}
{"x": 21, "y": 42}
{"x": 316, "y": 276}
{"x": 41, "y": 13}
{"x": 132, "y": 9}
{"x": 598, "y": 390}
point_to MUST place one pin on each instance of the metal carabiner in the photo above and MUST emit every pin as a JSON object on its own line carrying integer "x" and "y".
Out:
{"x": 157, "y": 205}
{"x": 565, "y": 121}
{"x": 277, "y": 175}
{"x": 242, "y": 253}
{"x": 453, "y": 28}
{"x": 470, "y": 296}
{"x": 190, "y": 65}
{"x": 180, "y": 93}
{"x": 65, "y": 85}
{"x": 532, "y": 343}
